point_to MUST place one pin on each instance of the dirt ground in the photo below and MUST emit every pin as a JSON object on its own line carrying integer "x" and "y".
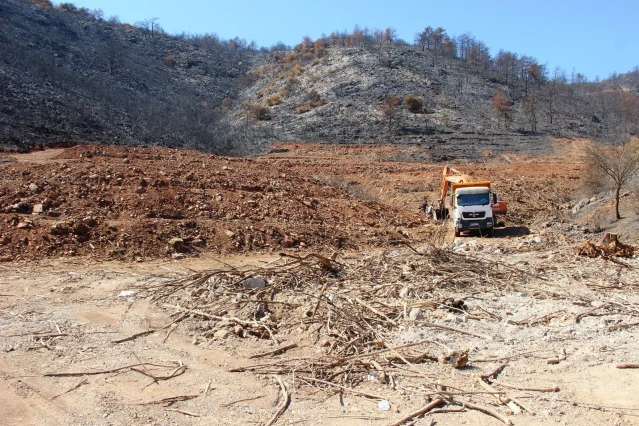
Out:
{"x": 558, "y": 322}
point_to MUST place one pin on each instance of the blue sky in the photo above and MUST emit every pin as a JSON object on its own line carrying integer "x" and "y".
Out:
{"x": 595, "y": 38}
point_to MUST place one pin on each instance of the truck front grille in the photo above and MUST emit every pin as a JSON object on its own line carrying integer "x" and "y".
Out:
{"x": 473, "y": 215}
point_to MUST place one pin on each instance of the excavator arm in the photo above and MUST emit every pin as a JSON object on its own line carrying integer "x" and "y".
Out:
{"x": 449, "y": 177}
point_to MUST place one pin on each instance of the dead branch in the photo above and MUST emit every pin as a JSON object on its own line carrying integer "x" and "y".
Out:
{"x": 169, "y": 400}
{"x": 457, "y": 330}
{"x": 277, "y": 351}
{"x": 83, "y": 382}
{"x": 135, "y": 336}
{"x": 505, "y": 399}
{"x": 347, "y": 389}
{"x": 408, "y": 345}
{"x": 286, "y": 400}
{"x": 627, "y": 366}
{"x": 375, "y": 311}
{"x": 493, "y": 374}
{"x": 421, "y": 411}
{"x": 206, "y": 315}
{"x": 178, "y": 371}
{"x": 208, "y": 386}
{"x": 319, "y": 299}
{"x": 488, "y": 411}
{"x": 228, "y": 404}
{"x": 622, "y": 326}
{"x": 95, "y": 373}
{"x": 578, "y": 317}
{"x": 187, "y": 413}
{"x": 553, "y": 389}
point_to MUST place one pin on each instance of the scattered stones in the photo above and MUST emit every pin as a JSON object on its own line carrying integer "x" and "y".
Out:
{"x": 253, "y": 283}
{"x": 177, "y": 244}
{"x": 25, "y": 224}
{"x": 416, "y": 314}
{"x": 384, "y": 405}
{"x": 457, "y": 358}
{"x": 38, "y": 209}
{"x": 221, "y": 334}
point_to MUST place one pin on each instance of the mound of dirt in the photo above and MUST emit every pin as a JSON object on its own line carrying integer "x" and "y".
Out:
{"x": 140, "y": 203}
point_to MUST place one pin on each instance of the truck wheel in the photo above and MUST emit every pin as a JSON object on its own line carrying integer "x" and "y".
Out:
{"x": 457, "y": 232}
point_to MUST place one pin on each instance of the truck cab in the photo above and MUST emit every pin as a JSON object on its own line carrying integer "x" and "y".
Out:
{"x": 472, "y": 205}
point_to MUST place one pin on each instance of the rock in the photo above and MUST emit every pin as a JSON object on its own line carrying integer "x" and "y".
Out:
{"x": 198, "y": 242}
{"x": 89, "y": 221}
{"x": 26, "y": 224}
{"x": 176, "y": 243}
{"x": 178, "y": 256}
{"x": 59, "y": 229}
{"x": 230, "y": 233}
{"x": 38, "y": 209}
{"x": 383, "y": 405}
{"x": 80, "y": 228}
{"x": 253, "y": 283}
{"x": 457, "y": 359}
{"x": 404, "y": 292}
{"x": 416, "y": 314}
{"x": 238, "y": 330}
{"x": 221, "y": 334}
{"x": 33, "y": 187}
{"x": 288, "y": 241}
{"x": 21, "y": 207}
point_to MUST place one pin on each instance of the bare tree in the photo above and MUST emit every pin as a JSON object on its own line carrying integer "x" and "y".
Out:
{"x": 530, "y": 108}
{"x": 113, "y": 56}
{"x": 502, "y": 104}
{"x": 150, "y": 25}
{"x": 424, "y": 38}
{"x": 615, "y": 164}
{"x": 390, "y": 108}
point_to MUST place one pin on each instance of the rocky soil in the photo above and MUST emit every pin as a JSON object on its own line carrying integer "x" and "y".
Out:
{"x": 140, "y": 203}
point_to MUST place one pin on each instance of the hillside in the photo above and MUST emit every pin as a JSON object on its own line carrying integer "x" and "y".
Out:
{"x": 71, "y": 76}
{"x": 67, "y": 76}
{"x": 401, "y": 94}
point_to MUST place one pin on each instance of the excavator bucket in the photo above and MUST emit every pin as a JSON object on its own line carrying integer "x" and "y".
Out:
{"x": 440, "y": 213}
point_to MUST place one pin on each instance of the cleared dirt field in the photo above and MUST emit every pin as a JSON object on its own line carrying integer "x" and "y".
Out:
{"x": 124, "y": 298}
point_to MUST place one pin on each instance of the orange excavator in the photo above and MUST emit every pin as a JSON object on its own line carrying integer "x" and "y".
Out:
{"x": 474, "y": 206}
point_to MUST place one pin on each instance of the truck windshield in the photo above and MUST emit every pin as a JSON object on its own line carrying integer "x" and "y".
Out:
{"x": 473, "y": 199}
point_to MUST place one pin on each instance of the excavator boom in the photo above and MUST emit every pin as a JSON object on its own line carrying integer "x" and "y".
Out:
{"x": 450, "y": 176}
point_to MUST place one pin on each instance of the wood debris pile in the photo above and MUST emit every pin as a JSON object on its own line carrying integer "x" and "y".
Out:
{"x": 608, "y": 248}
{"x": 348, "y": 312}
